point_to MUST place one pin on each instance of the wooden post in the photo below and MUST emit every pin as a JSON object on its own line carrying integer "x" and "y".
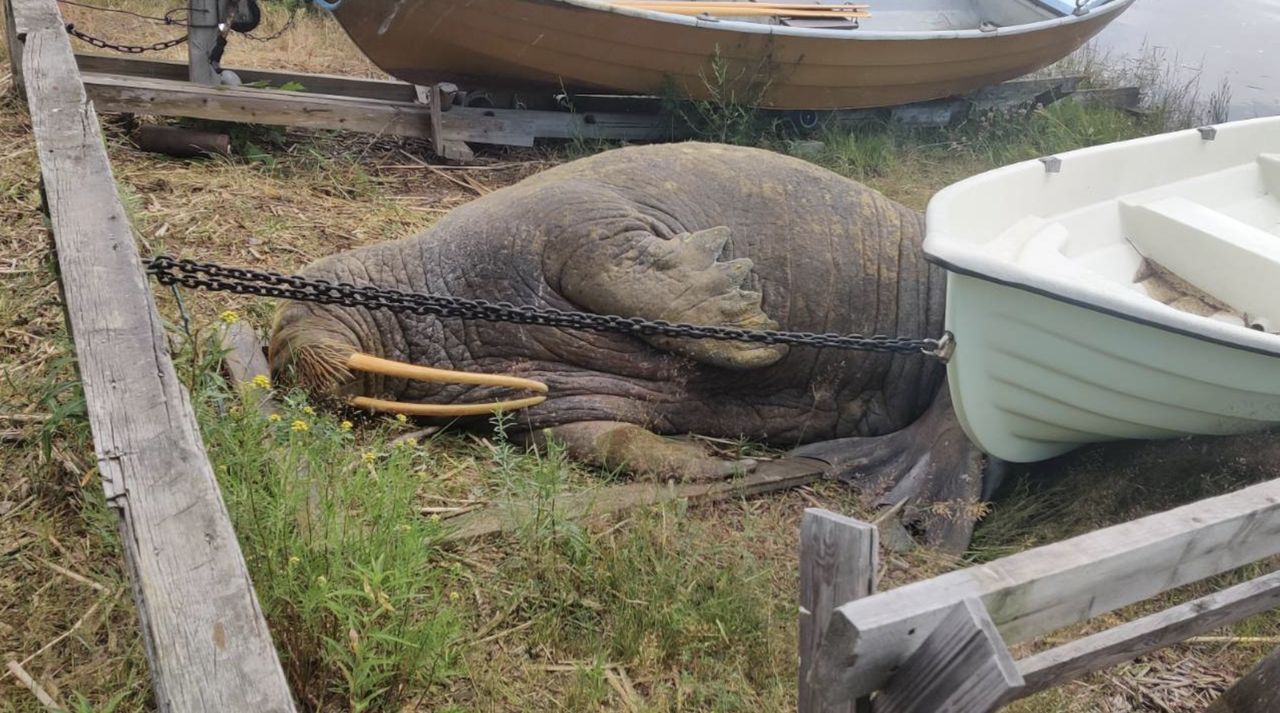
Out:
{"x": 14, "y": 44}
{"x": 202, "y": 36}
{"x": 838, "y": 559}
{"x": 202, "y": 628}
{"x": 963, "y": 667}
{"x": 1257, "y": 692}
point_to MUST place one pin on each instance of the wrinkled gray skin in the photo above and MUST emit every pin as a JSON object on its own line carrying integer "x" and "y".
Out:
{"x": 689, "y": 232}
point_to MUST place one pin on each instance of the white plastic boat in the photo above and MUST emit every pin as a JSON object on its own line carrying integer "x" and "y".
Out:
{"x": 1122, "y": 291}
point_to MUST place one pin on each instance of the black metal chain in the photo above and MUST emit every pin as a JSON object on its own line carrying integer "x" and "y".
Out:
{"x": 288, "y": 25}
{"x": 208, "y": 276}
{"x": 129, "y": 49}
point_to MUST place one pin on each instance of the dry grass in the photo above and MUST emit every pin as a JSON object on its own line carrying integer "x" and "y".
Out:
{"x": 64, "y": 602}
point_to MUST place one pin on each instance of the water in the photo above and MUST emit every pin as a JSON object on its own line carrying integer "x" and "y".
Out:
{"x": 1236, "y": 40}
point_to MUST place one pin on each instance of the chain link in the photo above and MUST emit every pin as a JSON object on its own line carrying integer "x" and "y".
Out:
{"x": 129, "y": 49}
{"x": 241, "y": 281}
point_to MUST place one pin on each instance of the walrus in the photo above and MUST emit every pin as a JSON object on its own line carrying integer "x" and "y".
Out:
{"x": 696, "y": 233}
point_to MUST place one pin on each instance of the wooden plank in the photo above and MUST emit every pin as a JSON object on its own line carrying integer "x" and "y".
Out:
{"x": 766, "y": 478}
{"x": 244, "y": 360}
{"x": 511, "y": 127}
{"x": 1257, "y": 692}
{"x": 838, "y": 562}
{"x": 202, "y": 628}
{"x": 1142, "y": 636}
{"x": 14, "y": 46}
{"x": 1123, "y": 98}
{"x": 1042, "y": 589}
{"x": 962, "y": 667}
{"x": 311, "y": 83}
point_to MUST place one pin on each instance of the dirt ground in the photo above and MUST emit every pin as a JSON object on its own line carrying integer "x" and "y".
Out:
{"x": 289, "y": 197}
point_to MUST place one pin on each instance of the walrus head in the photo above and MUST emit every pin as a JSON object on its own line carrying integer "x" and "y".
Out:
{"x": 311, "y": 346}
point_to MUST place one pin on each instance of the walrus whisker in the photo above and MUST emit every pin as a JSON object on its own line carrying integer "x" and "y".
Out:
{"x": 444, "y": 409}
{"x": 359, "y": 361}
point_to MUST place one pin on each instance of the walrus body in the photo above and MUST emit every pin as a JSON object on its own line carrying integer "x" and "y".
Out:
{"x": 697, "y": 233}
{"x": 611, "y": 234}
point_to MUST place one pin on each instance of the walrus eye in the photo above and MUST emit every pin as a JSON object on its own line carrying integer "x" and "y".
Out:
{"x": 359, "y": 361}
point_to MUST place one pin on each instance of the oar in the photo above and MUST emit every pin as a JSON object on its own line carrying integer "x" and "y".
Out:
{"x": 696, "y": 8}
{"x": 739, "y": 9}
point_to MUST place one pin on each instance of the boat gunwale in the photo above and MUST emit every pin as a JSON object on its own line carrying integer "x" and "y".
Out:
{"x": 1271, "y": 350}
{"x": 740, "y": 26}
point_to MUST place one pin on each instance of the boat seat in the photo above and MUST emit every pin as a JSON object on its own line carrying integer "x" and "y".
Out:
{"x": 820, "y": 23}
{"x": 1269, "y": 167}
{"x": 1235, "y": 262}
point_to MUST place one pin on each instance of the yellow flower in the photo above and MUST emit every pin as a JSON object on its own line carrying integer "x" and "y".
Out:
{"x": 408, "y": 443}
{"x": 308, "y": 410}
{"x": 368, "y": 456}
{"x": 434, "y": 518}
{"x": 261, "y": 381}
{"x": 346, "y": 425}
{"x": 404, "y": 527}
{"x": 402, "y": 418}
{"x": 273, "y": 417}
{"x": 322, "y": 580}
{"x": 454, "y": 596}
{"x": 229, "y": 317}
{"x": 299, "y": 426}
{"x": 294, "y": 560}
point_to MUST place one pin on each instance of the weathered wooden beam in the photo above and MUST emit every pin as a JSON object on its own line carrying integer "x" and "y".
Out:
{"x": 311, "y": 83}
{"x": 243, "y": 360}
{"x": 1257, "y": 692}
{"x": 510, "y": 127}
{"x": 838, "y": 561}
{"x": 1045, "y": 588}
{"x": 202, "y": 628}
{"x": 13, "y": 44}
{"x": 766, "y": 478}
{"x": 1150, "y": 633}
{"x": 962, "y": 667}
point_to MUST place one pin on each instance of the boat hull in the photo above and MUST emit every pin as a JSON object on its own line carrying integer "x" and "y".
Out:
{"x": 580, "y": 45}
{"x": 1033, "y": 377}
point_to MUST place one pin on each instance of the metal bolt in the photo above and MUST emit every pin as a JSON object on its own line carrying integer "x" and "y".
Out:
{"x": 1052, "y": 164}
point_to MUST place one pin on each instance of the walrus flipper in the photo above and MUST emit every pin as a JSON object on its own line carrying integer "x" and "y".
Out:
{"x": 639, "y": 452}
{"x": 679, "y": 279}
{"x": 929, "y": 469}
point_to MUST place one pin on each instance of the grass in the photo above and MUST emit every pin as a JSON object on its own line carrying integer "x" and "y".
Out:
{"x": 678, "y": 608}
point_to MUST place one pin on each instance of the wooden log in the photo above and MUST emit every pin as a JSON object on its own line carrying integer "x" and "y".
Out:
{"x": 201, "y": 626}
{"x": 962, "y": 667}
{"x": 510, "y": 127}
{"x": 1049, "y": 587}
{"x": 1150, "y": 633}
{"x": 838, "y": 562}
{"x": 202, "y": 37}
{"x": 1257, "y": 692}
{"x": 180, "y": 142}
{"x": 766, "y": 478}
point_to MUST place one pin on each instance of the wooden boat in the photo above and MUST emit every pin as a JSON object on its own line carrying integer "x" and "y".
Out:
{"x": 905, "y": 51}
{"x": 1122, "y": 291}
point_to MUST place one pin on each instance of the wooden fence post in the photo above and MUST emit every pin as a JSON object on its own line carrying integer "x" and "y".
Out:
{"x": 202, "y": 37}
{"x": 1257, "y": 692}
{"x": 14, "y": 45}
{"x": 963, "y": 667}
{"x": 838, "y": 557}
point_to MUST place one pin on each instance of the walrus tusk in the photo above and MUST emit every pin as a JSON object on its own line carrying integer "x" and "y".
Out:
{"x": 444, "y": 409}
{"x": 359, "y": 361}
